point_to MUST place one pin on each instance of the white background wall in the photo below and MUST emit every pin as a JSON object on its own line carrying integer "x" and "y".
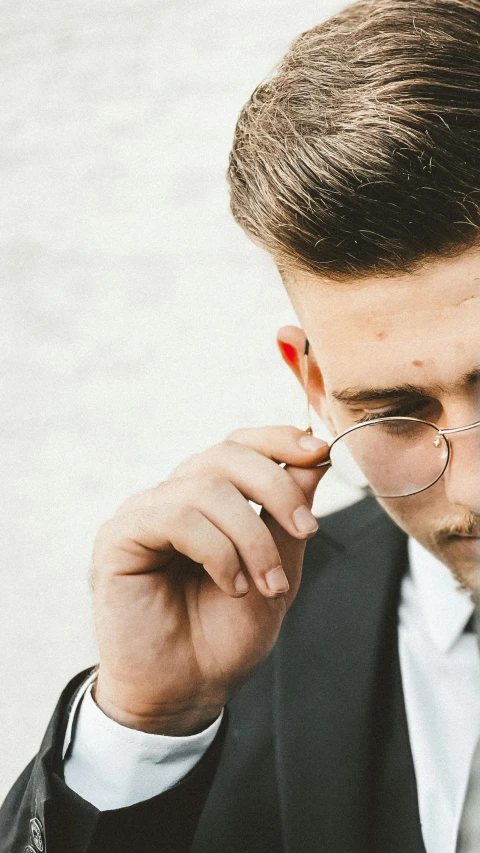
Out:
{"x": 137, "y": 322}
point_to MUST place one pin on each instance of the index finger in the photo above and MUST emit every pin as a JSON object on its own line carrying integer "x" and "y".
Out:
{"x": 281, "y": 443}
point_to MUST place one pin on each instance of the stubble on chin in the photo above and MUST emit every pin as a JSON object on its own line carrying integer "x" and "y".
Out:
{"x": 446, "y": 543}
{"x": 441, "y": 538}
{"x": 465, "y": 572}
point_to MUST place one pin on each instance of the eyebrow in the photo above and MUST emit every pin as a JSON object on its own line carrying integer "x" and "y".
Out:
{"x": 350, "y": 396}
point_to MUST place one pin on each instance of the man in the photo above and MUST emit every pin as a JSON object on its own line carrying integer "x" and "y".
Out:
{"x": 235, "y": 709}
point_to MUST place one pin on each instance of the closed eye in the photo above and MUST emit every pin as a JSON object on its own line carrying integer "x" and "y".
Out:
{"x": 424, "y": 410}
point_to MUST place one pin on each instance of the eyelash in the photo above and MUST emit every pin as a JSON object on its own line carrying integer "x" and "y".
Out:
{"x": 406, "y": 412}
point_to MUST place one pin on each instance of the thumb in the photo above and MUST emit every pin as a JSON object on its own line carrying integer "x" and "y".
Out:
{"x": 292, "y": 550}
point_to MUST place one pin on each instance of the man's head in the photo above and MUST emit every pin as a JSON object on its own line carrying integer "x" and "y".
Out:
{"x": 357, "y": 166}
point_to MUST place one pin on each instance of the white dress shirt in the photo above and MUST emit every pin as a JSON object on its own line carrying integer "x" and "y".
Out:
{"x": 112, "y": 766}
{"x": 440, "y": 667}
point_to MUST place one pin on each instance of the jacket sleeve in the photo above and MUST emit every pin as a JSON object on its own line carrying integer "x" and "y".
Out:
{"x": 42, "y": 815}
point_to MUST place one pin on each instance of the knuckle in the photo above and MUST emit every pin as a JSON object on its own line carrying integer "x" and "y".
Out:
{"x": 141, "y": 521}
{"x": 282, "y": 483}
{"x": 235, "y": 436}
{"x": 199, "y": 463}
{"x": 106, "y": 533}
{"x": 187, "y": 466}
{"x": 293, "y": 433}
{"x": 215, "y": 486}
{"x": 105, "y": 544}
{"x": 213, "y": 480}
{"x": 206, "y": 484}
{"x": 225, "y": 555}
{"x": 136, "y": 502}
{"x": 279, "y": 479}
{"x": 260, "y": 551}
{"x": 176, "y": 514}
{"x": 227, "y": 445}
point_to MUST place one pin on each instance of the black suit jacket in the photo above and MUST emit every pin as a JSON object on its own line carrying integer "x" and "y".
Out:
{"x": 313, "y": 755}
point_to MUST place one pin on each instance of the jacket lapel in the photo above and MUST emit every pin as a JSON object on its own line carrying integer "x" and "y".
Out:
{"x": 328, "y": 659}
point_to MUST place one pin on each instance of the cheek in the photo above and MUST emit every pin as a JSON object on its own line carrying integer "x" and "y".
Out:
{"x": 405, "y": 513}
{"x": 415, "y": 514}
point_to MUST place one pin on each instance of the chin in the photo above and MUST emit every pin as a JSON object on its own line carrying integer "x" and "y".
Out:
{"x": 462, "y": 556}
{"x": 460, "y": 553}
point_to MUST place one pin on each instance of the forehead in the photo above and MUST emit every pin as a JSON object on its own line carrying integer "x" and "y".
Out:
{"x": 410, "y": 328}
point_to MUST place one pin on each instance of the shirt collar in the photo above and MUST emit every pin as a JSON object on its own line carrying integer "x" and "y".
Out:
{"x": 445, "y": 607}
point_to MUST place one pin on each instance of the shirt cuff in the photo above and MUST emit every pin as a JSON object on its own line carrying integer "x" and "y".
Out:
{"x": 112, "y": 766}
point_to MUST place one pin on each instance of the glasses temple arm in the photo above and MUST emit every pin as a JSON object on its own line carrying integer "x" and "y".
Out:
{"x": 309, "y": 429}
{"x": 458, "y": 429}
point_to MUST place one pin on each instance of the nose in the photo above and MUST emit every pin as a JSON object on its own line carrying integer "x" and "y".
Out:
{"x": 462, "y": 477}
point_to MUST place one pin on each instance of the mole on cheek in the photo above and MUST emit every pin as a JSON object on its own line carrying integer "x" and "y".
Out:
{"x": 381, "y": 335}
{"x": 417, "y": 363}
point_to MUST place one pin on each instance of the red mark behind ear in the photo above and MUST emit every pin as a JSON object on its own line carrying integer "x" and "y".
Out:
{"x": 289, "y": 352}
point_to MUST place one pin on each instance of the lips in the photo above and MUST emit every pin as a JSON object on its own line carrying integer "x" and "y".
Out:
{"x": 466, "y": 530}
{"x": 471, "y": 543}
{"x": 473, "y": 533}
{"x": 467, "y": 536}
{"x": 468, "y": 544}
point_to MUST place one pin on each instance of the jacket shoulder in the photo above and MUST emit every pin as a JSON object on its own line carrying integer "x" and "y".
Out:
{"x": 347, "y": 523}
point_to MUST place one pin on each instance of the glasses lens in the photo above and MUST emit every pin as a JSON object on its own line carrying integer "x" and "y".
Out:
{"x": 397, "y": 456}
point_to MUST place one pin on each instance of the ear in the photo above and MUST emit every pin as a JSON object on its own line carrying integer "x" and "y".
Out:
{"x": 291, "y": 343}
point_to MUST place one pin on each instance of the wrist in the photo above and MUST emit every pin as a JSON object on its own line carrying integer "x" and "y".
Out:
{"x": 174, "y": 722}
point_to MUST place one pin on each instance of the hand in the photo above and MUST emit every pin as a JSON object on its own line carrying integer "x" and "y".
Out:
{"x": 191, "y": 585}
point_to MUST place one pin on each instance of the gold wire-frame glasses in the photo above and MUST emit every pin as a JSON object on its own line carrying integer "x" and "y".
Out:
{"x": 437, "y": 462}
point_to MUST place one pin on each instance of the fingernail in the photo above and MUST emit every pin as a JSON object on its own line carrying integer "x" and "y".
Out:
{"x": 276, "y": 580}
{"x": 305, "y": 521}
{"x": 241, "y": 584}
{"x": 310, "y": 443}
